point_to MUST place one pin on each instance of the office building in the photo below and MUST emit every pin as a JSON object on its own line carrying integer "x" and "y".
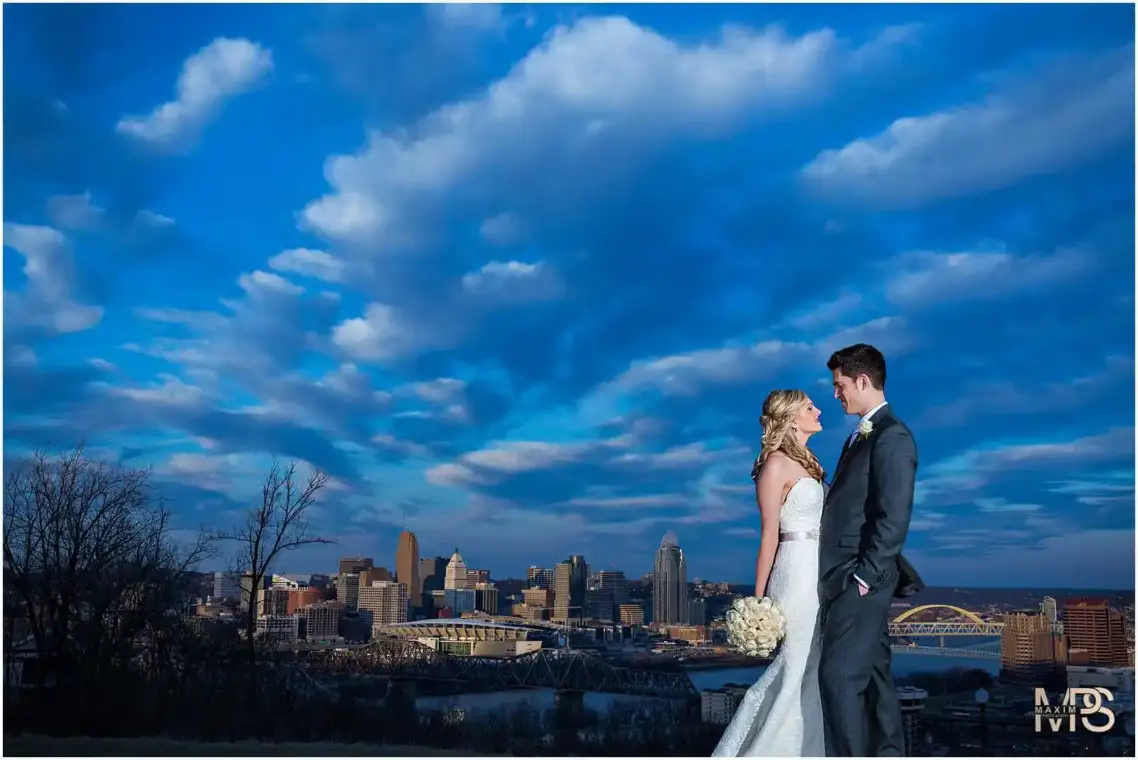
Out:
{"x": 432, "y": 574}
{"x": 370, "y": 575}
{"x": 570, "y": 588}
{"x": 1049, "y": 609}
{"x": 225, "y": 586}
{"x": 322, "y": 620}
{"x": 355, "y": 565}
{"x": 486, "y": 598}
{"x": 912, "y": 702}
{"x": 608, "y": 589}
{"x": 718, "y": 706}
{"x": 384, "y": 602}
{"x": 670, "y": 583}
{"x": 348, "y": 590}
{"x": 1092, "y": 625}
{"x": 407, "y": 566}
{"x": 539, "y": 577}
{"x": 475, "y": 576}
{"x": 282, "y": 629}
{"x": 1031, "y": 651}
{"x": 302, "y": 597}
{"x": 459, "y": 600}
{"x": 274, "y": 601}
{"x": 455, "y": 572}
{"x": 252, "y": 601}
{"x": 631, "y": 614}
{"x": 697, "y": 612}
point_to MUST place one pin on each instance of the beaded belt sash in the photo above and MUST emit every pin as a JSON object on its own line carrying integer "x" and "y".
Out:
{"x": 798, "y": 535}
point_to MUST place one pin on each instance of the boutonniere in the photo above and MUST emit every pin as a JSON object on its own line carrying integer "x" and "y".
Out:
{"x": 864, "y": 428}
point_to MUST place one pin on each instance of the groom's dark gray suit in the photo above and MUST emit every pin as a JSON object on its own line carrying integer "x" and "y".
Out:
{"x": 864, "y": 525}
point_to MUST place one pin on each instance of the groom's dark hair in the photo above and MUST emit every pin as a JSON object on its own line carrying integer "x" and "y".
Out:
{"x": 860, "y": 359}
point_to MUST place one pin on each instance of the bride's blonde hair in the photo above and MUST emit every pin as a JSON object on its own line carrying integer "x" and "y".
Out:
{"x": 779, "y": 411}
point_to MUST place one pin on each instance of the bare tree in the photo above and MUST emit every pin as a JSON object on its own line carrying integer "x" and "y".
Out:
{"x": 90, "y": 562}
{"x": 278, "y": 525}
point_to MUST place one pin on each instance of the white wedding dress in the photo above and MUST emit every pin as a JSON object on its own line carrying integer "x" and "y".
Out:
{"x": 781, "y": 714}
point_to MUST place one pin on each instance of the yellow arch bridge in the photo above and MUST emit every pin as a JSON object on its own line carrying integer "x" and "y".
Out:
{"x": 961, "y": 622}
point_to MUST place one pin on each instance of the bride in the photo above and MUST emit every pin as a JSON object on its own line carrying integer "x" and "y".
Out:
{"x": 781, "y": 715}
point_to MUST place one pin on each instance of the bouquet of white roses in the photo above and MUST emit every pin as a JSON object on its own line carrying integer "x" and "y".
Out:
{"x": 755, "y": 626}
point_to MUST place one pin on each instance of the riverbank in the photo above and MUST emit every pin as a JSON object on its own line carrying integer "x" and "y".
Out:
{"x": 731, "y": 661}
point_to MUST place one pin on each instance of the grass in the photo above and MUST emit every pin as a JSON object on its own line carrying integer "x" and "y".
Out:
{"x": 150, "y": 746}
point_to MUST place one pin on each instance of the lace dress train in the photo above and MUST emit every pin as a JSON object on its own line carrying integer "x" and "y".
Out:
{"x": 781, "y": 714}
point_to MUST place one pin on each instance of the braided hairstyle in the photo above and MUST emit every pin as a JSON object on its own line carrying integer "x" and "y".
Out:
{"x": 779, "y": 411}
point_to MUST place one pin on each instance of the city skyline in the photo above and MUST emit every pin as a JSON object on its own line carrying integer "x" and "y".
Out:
{"x": 636, "y": 575}
{"x": 519, "y": 278}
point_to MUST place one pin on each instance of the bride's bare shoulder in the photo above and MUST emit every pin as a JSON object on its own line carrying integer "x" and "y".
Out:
{"x": 776, "y": 465}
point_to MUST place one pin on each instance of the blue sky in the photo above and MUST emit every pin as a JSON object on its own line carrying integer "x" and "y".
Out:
{"x": 518, "y": 278}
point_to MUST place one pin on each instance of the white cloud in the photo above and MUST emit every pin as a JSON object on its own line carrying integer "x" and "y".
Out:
{"x": 149, "y": 218}
{"x": 637, "y": 84}
{"x": 47, "y": 302}
{"x": 691, "y": 373}
{"x": 1092, "y": 558}
{"x": 258, "y": 282}
{"x": 443, "y": 390}
{"x": 387, "y": 332}
{"x": 923, "y": 277}
{"x": 501, "y": 229}
{"x": 1003, "y": 506}
{"x": 688, "y": 373}
{"x": 473, "y": 16}
{"x": 651, "y": 501}
{"x": 1042, "y": 123}
{"x": 1005, "y": 397}
{"x": 384, "y": 332}
{"x": 74, "y": 212}
{"x": 827, "y": 313}
{"x": 171, "y": 391}
{"x": 220, "y": 70}
{"x": 20, "y": 356}
{"x": 925, "y": 520}
{"x": 315, "y": 264}
{"x": 512, "y": 282}
{"x": 956, "y": 480}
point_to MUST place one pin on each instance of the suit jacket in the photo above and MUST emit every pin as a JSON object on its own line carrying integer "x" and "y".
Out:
{"x": 867, "y": 513}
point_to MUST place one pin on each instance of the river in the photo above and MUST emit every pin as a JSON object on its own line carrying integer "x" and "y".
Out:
{"x": 711, "y": 678}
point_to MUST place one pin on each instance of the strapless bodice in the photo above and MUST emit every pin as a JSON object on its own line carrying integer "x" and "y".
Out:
{"x": 802, "y": 510}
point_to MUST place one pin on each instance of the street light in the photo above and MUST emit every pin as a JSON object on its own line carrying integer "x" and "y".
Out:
{"x": 982, "y": 702}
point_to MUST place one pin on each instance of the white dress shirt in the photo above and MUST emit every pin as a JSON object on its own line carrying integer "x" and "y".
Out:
{"x": 864, "y": 417}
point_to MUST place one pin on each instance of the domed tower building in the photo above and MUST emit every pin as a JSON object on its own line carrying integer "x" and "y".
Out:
{"x": 670, "y": 583}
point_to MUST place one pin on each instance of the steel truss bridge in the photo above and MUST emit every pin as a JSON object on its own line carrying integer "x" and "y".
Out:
{"x": 560, "y": 669}
{"x": 963, "y": 623}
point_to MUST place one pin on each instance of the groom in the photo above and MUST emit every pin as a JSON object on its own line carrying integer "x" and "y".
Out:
{"x": 861, "y": 568}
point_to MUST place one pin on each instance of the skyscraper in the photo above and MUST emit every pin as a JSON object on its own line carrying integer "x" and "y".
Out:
{"x": 670, "y": 583}
{"x": 608, "y": 590}
{"x": 456, "y": 572}
{"x": 355, "y": 564}
{"x": 1092, "y": 625}
{"x": 433, "y": 573}
{"x": 570, "y": 585}
{"x": 384, "y": 603}
{"x": 539, "y": 577}
{"x": 407, "y": 566}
